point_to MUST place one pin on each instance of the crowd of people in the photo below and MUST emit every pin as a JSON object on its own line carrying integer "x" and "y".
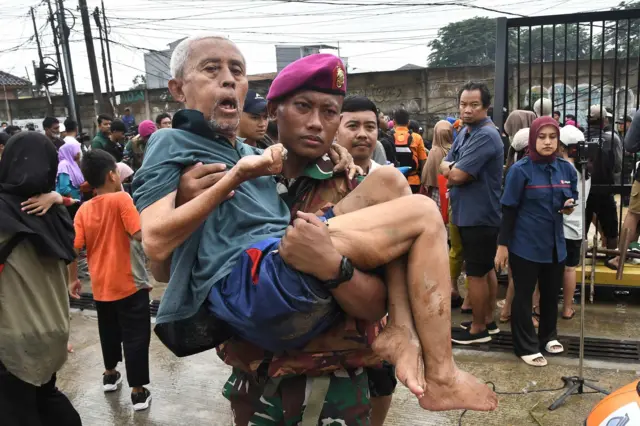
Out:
{"x": 314, "y": 243}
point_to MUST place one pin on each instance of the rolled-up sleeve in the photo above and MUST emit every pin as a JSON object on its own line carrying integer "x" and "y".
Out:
{"x": 476, "y": 155}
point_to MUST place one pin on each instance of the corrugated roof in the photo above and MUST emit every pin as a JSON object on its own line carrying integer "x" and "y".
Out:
{"x": 11, "y": 80}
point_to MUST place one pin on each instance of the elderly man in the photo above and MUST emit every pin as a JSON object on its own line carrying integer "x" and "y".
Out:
{"x": 225, "y": 248}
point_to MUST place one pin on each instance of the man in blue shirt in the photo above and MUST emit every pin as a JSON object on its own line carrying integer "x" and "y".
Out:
{"x": 474, "y": 170}
{"x": 128, "y": 119}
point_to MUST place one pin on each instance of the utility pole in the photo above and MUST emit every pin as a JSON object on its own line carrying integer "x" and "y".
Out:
{"x": 106, "y": 41}
{"x": 55, "y": 43}
{"x": 96, "y": 17}
{"x": 64, "y": 38}
{"x": 91, "y": 53}
{"x": 35, "y": 32}
{"x": 33, "y": 92}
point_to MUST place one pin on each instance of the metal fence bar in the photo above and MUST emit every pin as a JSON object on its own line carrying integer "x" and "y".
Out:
{"x": 541, "y": 70}
{"x": 626, "y": 93}
{"x": 564, "y": 100}
{"x": 501, "y": 87}
{"x": 602, "y": 49}
{"x": 553, "y": 70}
{"x": 590, "y": 72}
{"x": 518, "y": 70}
{"x": 577, "y": 93}
{"x": 613, "y": 124}
{"x": 530, "y": 63}
{"x": 574, "y": 18}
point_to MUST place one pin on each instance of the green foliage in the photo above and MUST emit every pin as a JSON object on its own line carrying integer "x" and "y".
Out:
{"x": 139, "y": 82}
{"x": 473, "y": 41}
{"x": 468, "y": 42}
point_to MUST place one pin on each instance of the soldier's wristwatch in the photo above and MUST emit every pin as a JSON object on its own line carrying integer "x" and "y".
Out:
{"x": 345, "y": 274}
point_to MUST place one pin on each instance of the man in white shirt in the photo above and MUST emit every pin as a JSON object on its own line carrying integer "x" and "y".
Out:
{"x": 71, "y": 131}
{"x": 358, "y": 131}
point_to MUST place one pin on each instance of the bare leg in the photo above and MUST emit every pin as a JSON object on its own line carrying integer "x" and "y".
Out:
{"x": 505, "y": 315}
{"x": 479, "y": 293}
{"x": 455, "y": 263}
{"x": 492, "y": 279}
{"x": 399, "y": 343}
{"x": 372, "y": 237}
{"x": 379, "y": 409}
{"x": 569, "y": 287}
{"x": 631, "y": 223}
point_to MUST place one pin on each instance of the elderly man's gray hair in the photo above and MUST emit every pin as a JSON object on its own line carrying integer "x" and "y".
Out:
{"x": 182, "y": 51}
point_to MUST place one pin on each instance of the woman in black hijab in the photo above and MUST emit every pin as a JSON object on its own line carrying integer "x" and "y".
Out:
{"x": 34, "y": 305}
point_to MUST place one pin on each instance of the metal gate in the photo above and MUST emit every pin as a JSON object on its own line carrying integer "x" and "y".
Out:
{"x": 575, "y": 61}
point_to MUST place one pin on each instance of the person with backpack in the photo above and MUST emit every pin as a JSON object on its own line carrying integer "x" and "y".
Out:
{"x": 410, "y": 150}
{"x": 604, "y": 167}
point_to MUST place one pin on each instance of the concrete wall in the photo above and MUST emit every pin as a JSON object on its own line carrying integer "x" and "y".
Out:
{"x": 428, "y": 94}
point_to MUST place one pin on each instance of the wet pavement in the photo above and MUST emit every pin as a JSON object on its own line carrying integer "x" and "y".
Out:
{"x": 188, "y": 391}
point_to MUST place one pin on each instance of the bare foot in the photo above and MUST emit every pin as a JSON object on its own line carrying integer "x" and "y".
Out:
{"x": 460, "y": 391}
{"x": 400, "y": 347}
{"x": 69, "y": 348}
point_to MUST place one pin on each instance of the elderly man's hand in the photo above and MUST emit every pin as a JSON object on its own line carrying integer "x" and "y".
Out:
{"x": 343, "y": 161}
{"x": 268, "y": 163}
{"x": 197, "y": 179}
{"x": 307, "y": 247}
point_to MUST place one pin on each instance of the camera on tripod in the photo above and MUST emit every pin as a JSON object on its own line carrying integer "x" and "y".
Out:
{"x": 584, "y": 150}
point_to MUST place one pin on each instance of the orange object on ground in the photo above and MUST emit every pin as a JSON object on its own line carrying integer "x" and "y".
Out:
{"x": 621, "y": 408}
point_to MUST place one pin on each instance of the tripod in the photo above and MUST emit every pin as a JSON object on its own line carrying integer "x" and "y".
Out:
{"x": 576, "y": 384}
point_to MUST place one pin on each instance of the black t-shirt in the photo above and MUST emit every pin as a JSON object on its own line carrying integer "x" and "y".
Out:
{"x": 115, "y": 148}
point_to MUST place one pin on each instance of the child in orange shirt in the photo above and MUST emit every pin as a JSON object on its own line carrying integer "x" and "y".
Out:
{"x": 108, "y": 226}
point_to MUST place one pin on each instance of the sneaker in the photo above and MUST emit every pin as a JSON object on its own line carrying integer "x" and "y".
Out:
{"x": 464, "y": 337}
{"x": 492, "y": 327}
{"x": 111, "y": 382}
{"x": 141, "y": 400}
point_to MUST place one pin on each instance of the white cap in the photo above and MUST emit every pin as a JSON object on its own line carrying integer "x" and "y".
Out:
{"x": 520, "y": 139}
{"x": 571, "y": 135}
{"x": 594, "y": 112}
{"x": 542, "y": 107}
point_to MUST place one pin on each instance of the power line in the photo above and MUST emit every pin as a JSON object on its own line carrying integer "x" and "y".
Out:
{"x": 447, "y": 4}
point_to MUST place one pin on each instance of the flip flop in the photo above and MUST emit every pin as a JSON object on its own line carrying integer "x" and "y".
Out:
{"x": 535, "y": 314}
{"x": 530, "y": 360}
{"x": 504, "y": 320}
{"x": 549, "y": 347}
{"x": 573, "y": 313}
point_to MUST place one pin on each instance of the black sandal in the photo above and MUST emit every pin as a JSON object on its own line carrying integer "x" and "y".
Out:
{"x": 456, "y": 302}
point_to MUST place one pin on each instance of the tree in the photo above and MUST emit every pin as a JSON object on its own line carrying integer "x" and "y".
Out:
{"x": 623, "y": 33}
{"x": 473, "y": 42}
{"x": 139, "y": 82}
{"x": 468, "y": 42}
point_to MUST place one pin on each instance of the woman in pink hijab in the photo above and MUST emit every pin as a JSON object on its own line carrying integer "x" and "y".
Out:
{"x": 125, "y": 172}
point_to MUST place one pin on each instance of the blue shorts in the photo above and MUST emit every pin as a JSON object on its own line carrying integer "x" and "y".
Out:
{"x": 270, "y": 304}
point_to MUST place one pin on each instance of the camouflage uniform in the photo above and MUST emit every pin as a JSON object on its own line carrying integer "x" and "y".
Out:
{"x": 265, "y": 386}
